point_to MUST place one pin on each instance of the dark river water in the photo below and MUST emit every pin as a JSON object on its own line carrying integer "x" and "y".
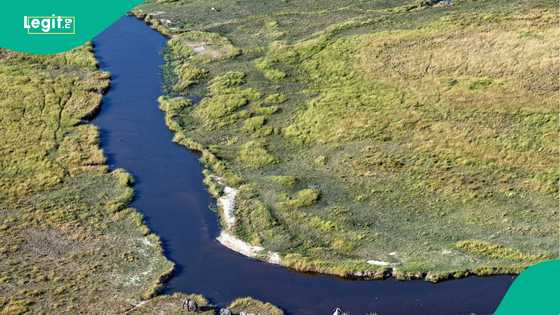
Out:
{"x": 174, "y": 201}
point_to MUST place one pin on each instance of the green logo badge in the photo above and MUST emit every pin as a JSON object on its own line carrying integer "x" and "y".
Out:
{"x": 535, "y": 291}
{"x": 49, "y": 27}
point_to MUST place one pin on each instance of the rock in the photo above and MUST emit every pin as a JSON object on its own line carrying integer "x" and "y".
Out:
{"x": 225, "y": 311}
{"x": 191, "y": 305}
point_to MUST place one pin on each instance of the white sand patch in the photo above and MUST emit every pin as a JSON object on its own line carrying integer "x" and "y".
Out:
{"x": 199, "y": 49}
{"x": 274, "y": 258}
{"x": 378, "y": 262}
{"x": 146, "y": 241}
{"x": 227, "y": 204}
{"x": 232, "y": 242}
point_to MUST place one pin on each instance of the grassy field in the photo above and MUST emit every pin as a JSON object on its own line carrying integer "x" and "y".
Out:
{"x": 419, "y": 136}
{"x": 69, "y": 243}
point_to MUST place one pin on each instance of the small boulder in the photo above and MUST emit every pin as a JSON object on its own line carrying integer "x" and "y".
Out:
{"x": 190, "y": 305}
{"x": 225, "y": 311}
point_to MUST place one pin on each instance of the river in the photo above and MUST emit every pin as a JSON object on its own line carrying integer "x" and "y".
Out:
{"x": 175, "y": 203}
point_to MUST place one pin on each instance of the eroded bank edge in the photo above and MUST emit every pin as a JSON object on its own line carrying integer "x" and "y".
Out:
{"x": 152, "y": 294}
{"x": 222, "y": 193}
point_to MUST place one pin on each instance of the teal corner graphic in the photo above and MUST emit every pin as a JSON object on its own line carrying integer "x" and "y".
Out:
{"x": 50, "y": 27}
{"x": 535, "y": 291}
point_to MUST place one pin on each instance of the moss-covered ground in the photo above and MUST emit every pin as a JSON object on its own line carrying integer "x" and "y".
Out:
{"x": 415, "y": 133}
{"x": 69, "y": 243}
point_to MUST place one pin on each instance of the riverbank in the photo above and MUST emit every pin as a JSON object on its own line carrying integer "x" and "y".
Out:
{"x": 69, "y": 240}
{"x": 115, "y": 58}
{"x": 280, "y": 122}
{"x": 170, "y": 193}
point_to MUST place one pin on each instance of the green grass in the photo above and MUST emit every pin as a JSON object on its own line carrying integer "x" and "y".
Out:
{"x": 303, "y": 198}
{"x": 482, "y": 248}
{"x": 173, "y": 304}
{"x": 252, "y": 306}
{"x": 286, "y": 181}
{"x": 69, "y": 242}
{"x": 428, "y": 134}
{"x": 253, "y": 124}
{"x": 254, "y": 155}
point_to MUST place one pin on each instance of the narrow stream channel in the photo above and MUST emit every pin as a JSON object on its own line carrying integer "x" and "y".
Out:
{"x": 174, "y": 201}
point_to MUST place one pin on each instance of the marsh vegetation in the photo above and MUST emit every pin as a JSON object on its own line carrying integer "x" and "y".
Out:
{"x": 421, "y": 135}
{"x": 69, "y": 241}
